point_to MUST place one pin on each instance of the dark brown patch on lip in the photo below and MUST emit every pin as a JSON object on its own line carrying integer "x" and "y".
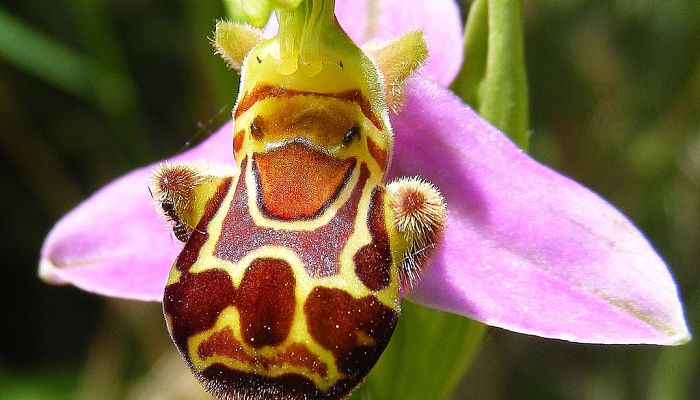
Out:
{"x": 238, "y": 141}
{"x": 356, "y": 331}
{"x": 318, "y": 249}
{"x": 296, "y": 182}
{"x": 194, "y": 303}
{"x": 223, "y": 343}
{"x": 373, "y": 260}
{"x": 257, "y": 128}
{"x": 266, "y": 301}
{"x": 226, "y": 383}
{"x": 299, "y": 355}
{"x": 261, "y": 92}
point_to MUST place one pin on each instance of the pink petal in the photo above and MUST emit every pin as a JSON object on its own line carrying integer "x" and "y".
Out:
{"x": 115, "y": 243}
{"x": 440, "y": 21}
{"x": 527, "y": 249}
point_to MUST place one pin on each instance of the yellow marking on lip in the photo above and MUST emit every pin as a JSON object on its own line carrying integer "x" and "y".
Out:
{"x": 345, "y": 280}
{"x": 324, "y": 120}
{"x": 298, "y": 333}
{"x": 230, "y": 318}
{"x": 174, "y": 276}
{"x": 360, "y": 237}
{"x": 362, "y": 339}
{"x": 213, "y": 229}
{"x": 275, "y": 129}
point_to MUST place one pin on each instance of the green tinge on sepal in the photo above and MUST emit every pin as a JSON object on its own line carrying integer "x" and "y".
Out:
{"x": 428, "y": 355}
{"x": 493, "y": 78}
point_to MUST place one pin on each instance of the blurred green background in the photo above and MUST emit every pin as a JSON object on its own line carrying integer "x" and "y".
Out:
{"x": 90, "y": 89}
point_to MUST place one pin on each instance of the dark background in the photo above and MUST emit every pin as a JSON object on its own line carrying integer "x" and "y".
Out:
{"x": 615, "y": 103}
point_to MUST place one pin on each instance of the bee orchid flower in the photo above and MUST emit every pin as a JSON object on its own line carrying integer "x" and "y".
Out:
{"x": 525, "y": 248}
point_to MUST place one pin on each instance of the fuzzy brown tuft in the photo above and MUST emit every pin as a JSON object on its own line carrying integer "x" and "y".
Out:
{"x": 420, "y": 215}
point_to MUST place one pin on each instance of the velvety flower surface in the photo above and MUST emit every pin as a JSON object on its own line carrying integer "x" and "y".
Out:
{"x": 526, "y": 249}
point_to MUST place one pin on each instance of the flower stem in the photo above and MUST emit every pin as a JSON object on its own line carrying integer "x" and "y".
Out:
{"x": 493, "y": 78}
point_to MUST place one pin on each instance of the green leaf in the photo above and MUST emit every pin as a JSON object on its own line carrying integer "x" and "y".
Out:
{"x": 31, "y": 51}
{"x": 427, "y": 357}
{"x": 55, "y": 63}
{"x": 493, "y": 78}
{"x": 466, "y": 85}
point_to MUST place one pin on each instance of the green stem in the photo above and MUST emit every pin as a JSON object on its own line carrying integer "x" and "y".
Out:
{"x": 476, "y": 50}
{"x": 28, "y": 49}
{"x": 96, "y": 80}
{"x": 493, "y": 77}
{"x": 504, "y": 99}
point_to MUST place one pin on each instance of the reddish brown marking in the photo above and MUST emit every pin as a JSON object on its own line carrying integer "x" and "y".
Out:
{"x": 266, "y": 301}
{"x": 318, "y": 249}
{"x": 337, "y": 321}
{"x": 195, "y": 301}
{"x": 222, "y": 343}
{"x": 257, "y": 128}
{"x": 238, "y": 141}
{"x": 226, "y": 383}
{"x": 299, "y": 355}
{"x": 412, "y": 201}
{"x": 296, "y": 182}
{"x": 373, "y": 261}
{"x": 190, "y": 252}
{"x": 262, "y": 92}
{"x": 366, "y": 107}
{"x": 380, "y": 155}
{"x": 258, "y": 93}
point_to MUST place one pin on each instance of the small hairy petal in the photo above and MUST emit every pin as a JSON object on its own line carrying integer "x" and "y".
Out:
{"x": 115, "y": 243}
{"x": 527, "y": 249}
{"x": 233, "y": 41}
